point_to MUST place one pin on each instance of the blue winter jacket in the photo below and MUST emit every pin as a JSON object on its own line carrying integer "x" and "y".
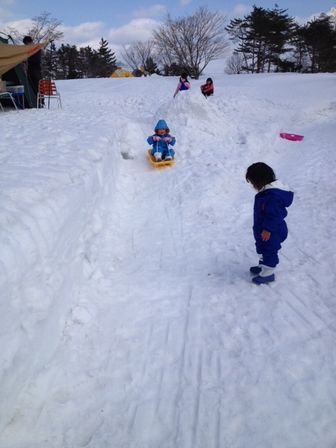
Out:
{"x": 269, "y": 214}
{"x": 161, "y": 146}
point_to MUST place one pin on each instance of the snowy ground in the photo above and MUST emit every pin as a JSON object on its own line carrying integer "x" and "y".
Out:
{"x": 128, "y": 319}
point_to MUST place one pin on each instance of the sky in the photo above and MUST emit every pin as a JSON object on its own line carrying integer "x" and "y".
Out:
{"x": 120, "y": 23}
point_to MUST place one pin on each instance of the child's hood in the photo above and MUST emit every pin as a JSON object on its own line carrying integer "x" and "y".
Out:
{"x": 282, "y": 191}
{"x": 161, "y": 124}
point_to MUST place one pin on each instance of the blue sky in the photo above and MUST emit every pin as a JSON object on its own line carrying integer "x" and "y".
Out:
{"x": 84, "y": 22}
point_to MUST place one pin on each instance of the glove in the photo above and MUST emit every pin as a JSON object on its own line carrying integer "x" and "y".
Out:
{"x": 167, "y": 139}
{"x": 265, "y": 235}
{"x": 156, "y": 138}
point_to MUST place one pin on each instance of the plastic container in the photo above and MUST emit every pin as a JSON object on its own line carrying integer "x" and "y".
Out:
{"x": 15, "y": 89}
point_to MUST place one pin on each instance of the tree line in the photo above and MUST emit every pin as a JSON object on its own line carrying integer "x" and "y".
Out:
{"x": 186, "y": 44}
{"x": 70, "y": 62}
{"x": 270, "y": 40}
{"x": 265, "y": 40}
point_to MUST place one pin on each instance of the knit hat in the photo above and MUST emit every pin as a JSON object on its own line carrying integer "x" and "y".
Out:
{"x": 161, "y": 124}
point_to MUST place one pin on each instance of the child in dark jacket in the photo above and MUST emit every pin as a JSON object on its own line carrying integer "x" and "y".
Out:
{"x": 269, "y": 226}
{"x": 208, "y": 88}
{"x": 161, "y": 141}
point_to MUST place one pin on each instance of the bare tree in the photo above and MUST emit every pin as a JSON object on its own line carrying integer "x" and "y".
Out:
{"x": 192, "y": 41}
{"x": 234, "y": 64}
{"x": 45, "y": 28}
{"x": 136, "y": 54}
{"x": 163, "y": 54}
{"x": 13, "y": 35}
{"x": 129, "y": 56}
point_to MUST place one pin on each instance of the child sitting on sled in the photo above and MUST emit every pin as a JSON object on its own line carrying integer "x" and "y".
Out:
{"x": 160, "y": 142}
{"x": 208, "y": 88}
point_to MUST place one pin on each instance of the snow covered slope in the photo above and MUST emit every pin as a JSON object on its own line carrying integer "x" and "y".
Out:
{"x": 128, "y": 318}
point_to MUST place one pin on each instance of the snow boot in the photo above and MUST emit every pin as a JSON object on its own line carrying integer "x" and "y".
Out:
{"x": 263, "y": 279}
{"x": 255, "y": 270}
{"x": 158, "y": 156}
{"x": 168, "y": 157}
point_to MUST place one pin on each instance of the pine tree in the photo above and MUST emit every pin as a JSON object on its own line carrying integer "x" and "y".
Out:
{"x": 68, "y": 62}
{"x": 73, "y": 62}
{"x": 106, "y": 60}
{"x": 50, "y": 62}
{"x": 261, "y": 37}
{"x": 87, "y": 62}
{"x": 281, "y": 30}
{"x": 62, "y": 66}
{"x": 299, "y": 53}
{"x": 319, "y": 37}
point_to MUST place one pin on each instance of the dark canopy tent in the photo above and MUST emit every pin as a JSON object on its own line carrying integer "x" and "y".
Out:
{"x": 11, "y": 67}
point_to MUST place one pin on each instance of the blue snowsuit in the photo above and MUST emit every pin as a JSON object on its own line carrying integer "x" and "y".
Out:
{"x": 162, "y": 146}
{"x": 269, "y": 214}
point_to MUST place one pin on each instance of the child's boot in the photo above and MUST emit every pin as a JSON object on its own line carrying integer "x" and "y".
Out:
{"x": 266, "y": 275}
{"x": 158, "y": 156}
{"x": 255, "y": 270}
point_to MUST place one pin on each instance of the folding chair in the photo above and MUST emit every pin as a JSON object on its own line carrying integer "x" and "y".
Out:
{"x": 7, "y": 95}
{"x": 47, "y": 91}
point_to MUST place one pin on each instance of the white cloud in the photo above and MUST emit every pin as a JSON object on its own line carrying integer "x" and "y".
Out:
{"x": 90, "y": 33}
{"x": 137, "y": 29}
{"x": 22, "y": 26}
{"x": 304, "y": 20}
{"x": 153, "y": 11}
{"x": 332, "y": 14}
{"x": 316, "y": 15}
{"x": 81, "y": 34}
{"x": 241, "y": 10}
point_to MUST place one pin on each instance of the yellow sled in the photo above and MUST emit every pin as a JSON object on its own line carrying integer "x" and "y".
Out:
{"x": 162, "y": 163}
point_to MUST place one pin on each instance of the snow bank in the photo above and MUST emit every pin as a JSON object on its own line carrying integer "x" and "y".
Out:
{"x": 53, "y": 188}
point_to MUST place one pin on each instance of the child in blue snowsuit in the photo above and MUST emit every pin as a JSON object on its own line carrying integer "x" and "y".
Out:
{"x": 161, "y": 141}
{"x": 269, "y": 226}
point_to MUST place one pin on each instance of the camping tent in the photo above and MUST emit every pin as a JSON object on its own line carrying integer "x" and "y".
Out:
{"x": 12, "y": 55}
{"x": 121, "y": 73}
{"x": 11, "y": 69}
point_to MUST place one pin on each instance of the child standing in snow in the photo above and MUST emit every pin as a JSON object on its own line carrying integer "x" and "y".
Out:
{"x": 269, "y": 226}
{"x": 183, "y": 84}
{"x": 161, "y": 141}
{"x": 208, "y": 88}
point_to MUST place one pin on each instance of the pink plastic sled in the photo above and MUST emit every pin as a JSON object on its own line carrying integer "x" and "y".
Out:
{"x": 293, "y": 137}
